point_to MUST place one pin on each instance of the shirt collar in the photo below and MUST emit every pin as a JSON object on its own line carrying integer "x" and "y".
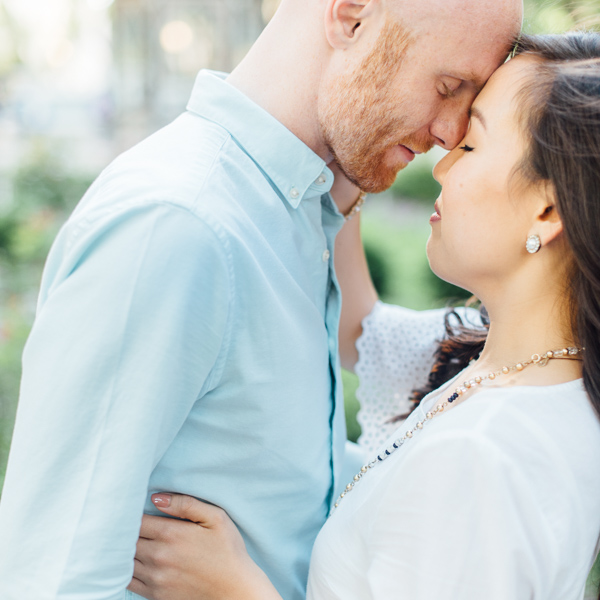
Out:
{"x": 290, "y": 164}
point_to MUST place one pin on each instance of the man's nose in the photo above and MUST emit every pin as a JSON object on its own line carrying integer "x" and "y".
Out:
{"x": 450, "y": 126}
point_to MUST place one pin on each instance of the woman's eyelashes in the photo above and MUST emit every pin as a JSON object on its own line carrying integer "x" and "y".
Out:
{"x": 466, "y": 148}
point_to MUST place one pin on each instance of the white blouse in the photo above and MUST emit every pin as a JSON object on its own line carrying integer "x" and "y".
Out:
{"x": 499, "y": 498}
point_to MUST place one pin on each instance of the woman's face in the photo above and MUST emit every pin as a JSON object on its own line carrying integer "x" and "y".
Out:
{"x": 484, "y": 213}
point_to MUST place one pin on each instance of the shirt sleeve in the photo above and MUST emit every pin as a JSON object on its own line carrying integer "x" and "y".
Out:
{"x": 460, "y": 522}
{"x": 129, "y": 335}
{"x": 396, "y": 353}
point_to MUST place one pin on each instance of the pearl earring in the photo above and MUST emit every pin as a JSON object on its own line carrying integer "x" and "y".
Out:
{"x": 533, "y": 243}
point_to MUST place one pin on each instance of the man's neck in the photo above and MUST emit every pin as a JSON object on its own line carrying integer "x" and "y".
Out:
{"x": 281, "y": 73}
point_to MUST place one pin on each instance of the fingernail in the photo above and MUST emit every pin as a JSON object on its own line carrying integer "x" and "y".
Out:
{"x": 162, "y": 500}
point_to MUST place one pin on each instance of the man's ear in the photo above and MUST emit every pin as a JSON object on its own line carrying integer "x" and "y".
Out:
{"x": 344, "y": 20}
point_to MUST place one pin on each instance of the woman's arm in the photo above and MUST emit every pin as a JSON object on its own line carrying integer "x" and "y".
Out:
{"x": 208, "y": 562}
{"x": 358, "y": 293}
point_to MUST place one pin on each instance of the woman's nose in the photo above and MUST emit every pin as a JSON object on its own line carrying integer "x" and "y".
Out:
{"x": 443, "y": 166}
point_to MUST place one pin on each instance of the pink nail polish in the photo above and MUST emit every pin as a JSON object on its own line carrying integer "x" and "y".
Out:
{"x": 162, "y": 500}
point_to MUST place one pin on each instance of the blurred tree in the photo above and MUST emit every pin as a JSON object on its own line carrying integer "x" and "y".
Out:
{"x": 380, "y": 269}
{"x": 417, "y": 182}
{"x": 8, "y": 43}
{"x": 8, "y": 225}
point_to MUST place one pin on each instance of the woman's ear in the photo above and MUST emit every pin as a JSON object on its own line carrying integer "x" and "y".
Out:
{"x": 344, "y": 21}
{"x": 548, "y": 224}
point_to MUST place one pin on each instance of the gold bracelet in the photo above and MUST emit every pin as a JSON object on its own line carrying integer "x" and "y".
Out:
{"x": 356, "y": 206}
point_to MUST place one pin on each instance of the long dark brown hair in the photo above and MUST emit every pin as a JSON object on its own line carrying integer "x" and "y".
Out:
{"x": 561, "y": 119}
{"x": 560, "y": 116}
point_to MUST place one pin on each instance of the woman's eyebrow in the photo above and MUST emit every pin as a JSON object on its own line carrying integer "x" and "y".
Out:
{"x": 476, "y": 113}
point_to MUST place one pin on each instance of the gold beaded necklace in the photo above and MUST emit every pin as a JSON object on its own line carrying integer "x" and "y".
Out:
{"x": 536, "y": 359}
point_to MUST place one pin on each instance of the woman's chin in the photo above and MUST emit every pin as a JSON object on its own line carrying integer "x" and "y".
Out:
{"x": 447, "y": 274}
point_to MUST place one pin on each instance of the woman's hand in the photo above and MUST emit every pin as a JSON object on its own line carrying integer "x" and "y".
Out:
{"x": 201, "y": 558}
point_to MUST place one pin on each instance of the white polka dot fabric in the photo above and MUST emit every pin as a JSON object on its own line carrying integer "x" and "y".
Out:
{"x": 396, "y": 352}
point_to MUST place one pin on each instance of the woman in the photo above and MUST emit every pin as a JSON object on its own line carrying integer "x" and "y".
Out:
{"x": 491, "y": 487}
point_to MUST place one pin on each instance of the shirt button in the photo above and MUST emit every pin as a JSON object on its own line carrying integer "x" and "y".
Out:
{"x": 321, "y": 179}
{"x": 326, "y": 255}
{"x": 294, "y": 193}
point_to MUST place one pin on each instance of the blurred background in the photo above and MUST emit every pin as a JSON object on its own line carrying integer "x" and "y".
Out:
{"x": 83, "y": 80}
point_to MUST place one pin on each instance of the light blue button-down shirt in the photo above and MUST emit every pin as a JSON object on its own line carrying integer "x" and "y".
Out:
{"x": 185, "y": 340}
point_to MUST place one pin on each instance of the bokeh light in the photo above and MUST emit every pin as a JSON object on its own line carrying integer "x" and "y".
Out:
{"x": 176, "y": 36}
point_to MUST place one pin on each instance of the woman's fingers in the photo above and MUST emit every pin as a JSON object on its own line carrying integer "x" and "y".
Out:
{"x": 153, "y": 527}
{"x": 141, "y": 571}
{"x": 200, "y": 554}
{"x": 189, "y": 508}
{"x": 143, "y": 554}
{"x": 152, "y": 569}
{"x": 138, "y": 587}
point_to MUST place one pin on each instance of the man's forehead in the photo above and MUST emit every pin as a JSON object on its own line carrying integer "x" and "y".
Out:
{"x": 466, "y": 9}
{"x": 495, "y": 18}
{"x": 464, "y": 39}
{"x": 473, "y": 53}
{"x": 472, "y": 61}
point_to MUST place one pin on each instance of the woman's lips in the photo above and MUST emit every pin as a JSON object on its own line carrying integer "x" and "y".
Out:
{"x": 436, "y": 216}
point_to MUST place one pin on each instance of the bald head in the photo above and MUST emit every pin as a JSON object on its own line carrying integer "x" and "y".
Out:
{"x": 496, "y": 21}
{"x": 501, "y": 15}
{"x": 473, "y": 11}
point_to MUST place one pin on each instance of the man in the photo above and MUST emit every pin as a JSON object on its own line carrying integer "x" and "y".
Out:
{"x": 186, "y": 336}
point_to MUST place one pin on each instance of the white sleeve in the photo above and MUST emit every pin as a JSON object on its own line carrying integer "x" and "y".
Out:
{"x": 462, "y": 522}
{"x": 395, "y": 356}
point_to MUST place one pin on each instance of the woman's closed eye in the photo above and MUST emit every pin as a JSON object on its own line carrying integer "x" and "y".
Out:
{"x": 466, "y": 148}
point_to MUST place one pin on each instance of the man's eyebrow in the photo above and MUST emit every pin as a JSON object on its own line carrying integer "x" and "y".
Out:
{"x": 477, "y": 114}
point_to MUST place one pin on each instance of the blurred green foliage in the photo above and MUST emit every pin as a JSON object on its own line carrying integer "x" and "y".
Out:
{"x": 417, "y": 182}
{"x": 557, "y": 16}
{"x": 15, "y": 328}
{"x": 43, "y": 194}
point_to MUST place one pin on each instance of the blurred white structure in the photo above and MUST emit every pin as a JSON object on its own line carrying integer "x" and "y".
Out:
{"x": 55, "y": 77}
{"x": 89, "y": 78}
{"x": 160, "y": 45}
